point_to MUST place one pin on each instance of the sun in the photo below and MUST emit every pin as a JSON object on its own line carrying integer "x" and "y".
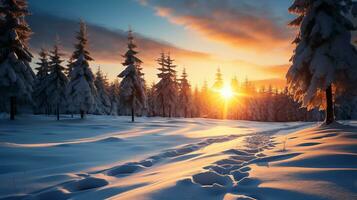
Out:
{"x": 226, "y": 92}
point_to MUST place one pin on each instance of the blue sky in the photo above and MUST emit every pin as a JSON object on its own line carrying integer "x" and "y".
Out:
{"x": 114, "y": 14}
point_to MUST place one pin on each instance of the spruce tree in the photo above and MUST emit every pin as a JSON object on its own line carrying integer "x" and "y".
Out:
{"x": 114, "y": 95}
{"x": 324, "y": 57}
{"x": 103, "y": 100}
{"x": 185, "y": 96}
{"x": 132, "y": 88}
{"x": 197, "y": 103}
{"x": 81, "y": 90}
{"x": 16, "y": 75}
{"x": 172, "y": 87}
{"x": 39, "y": 94}
{"x": 56, "y": 82}
{"x": 151, "y": 100}
{"x": 166, "y": 88}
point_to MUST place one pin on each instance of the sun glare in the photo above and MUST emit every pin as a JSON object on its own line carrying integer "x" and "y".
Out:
{"x": 226, "y": 92}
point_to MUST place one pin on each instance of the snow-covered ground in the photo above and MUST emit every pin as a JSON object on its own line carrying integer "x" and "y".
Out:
{"x": 156, "y": 158}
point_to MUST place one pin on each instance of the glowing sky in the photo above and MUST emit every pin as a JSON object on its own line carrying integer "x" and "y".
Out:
{"x": 243, "y": 37}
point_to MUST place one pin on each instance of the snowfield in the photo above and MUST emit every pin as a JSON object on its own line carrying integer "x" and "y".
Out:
{"x": 157, "y": 158}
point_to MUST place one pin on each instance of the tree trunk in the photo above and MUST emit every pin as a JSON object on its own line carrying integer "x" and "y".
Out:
{"x": 169, "y": 111}
{"x": 12, "y": 107}
{"x": 82, "y": 114}
{"x": 330, "y": 116}
{"x": 163, "y": 107}
{"x": 132, "y": 114}
{"x": 58, "y": 112}
{"x": 133, "y": 108}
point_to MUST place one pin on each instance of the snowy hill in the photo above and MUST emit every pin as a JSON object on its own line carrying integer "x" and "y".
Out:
{"x": 156, "y": 158}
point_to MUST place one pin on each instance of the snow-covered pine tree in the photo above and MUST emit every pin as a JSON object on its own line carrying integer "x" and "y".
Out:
{"x": 172, "y": 87}
{"x": 185, "y": 96}
{"x": 16, "y": 75}
{"x": 197, "y": 103}
{"x": 114, "y": 94}
{"x": 39, "y": 93}
{"x": 81, "y": 90}
{"x": 69, "y": 66}
{"x": 103, "y": 104}
{"x": 56, "y": 82}
{"x": 166, "y": 88}
{"x": 324, "y": 57}
{"x": 160, "y": 87}
{"x": 151, "y": 110}
{"x": 132, "y": 88}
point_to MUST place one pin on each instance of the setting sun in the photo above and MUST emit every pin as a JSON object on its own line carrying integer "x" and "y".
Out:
{"x": 226, "y": 92}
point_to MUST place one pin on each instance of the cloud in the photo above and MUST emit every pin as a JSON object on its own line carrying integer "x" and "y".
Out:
{"x": 237, "y": 23}
{"x": 105, "y": 45}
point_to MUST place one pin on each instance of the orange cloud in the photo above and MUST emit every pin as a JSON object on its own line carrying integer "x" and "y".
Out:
{"x": 233, "y": 23}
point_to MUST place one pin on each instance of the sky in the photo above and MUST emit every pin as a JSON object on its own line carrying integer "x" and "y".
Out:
{"x": 244, "y": 38}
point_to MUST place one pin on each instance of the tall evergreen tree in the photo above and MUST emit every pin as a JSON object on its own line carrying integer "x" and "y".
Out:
{"x": 172, "y": 87}
{"x": 185, "y": 96}
{"x": 39, "y": 94}
{"x": 81, "y": 90}
{"x": 132, "y": 88}
{"x": 160, "y": 87}
{"x": 197, "y": 103}
{"x": 114, "y": 95}
{"x": 103, "y": 100}
{"x": 151, "y": 100}
{"x": 324, "y": 56}
{"x": 56, "y": 82}
{"x": 16, "y": 75}
{"x": 166, "y": 88}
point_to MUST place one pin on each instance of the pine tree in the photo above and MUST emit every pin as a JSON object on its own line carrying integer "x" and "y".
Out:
{"x": 81, "y": 90}
{"x": 151, "y": 100}
{"x": 114, "y": 94}
{"x": 56, "y": 82}
{"x": 166, "y": 88}
{"x": 160, "y": 86}
{"x": 103, "y": 100}
{"x": 16, "y": 75}
{"x": 197, "y": 103}
{"x": 172, "y": 87}
{"x": 132, "y": 88}
{"x": 39, "y": 94}
{"x": 69, "y": 66}
{"x": 185, "y": 96}
{"x": 319, "y": 65}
